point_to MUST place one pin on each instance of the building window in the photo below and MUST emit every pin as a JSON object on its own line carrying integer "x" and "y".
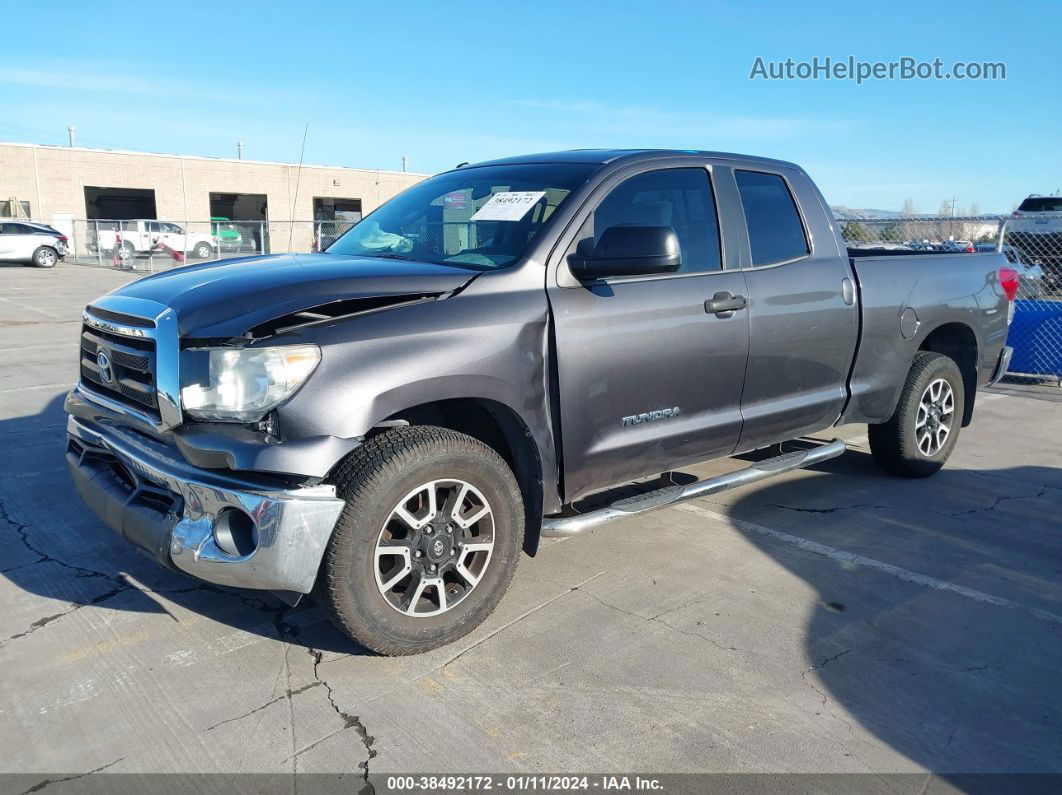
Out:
{"x": 13, "y": 208}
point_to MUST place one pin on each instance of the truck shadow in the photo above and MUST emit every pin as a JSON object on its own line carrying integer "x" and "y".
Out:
{"x": 57, "y": 549}
{"x": 942, "y": 638}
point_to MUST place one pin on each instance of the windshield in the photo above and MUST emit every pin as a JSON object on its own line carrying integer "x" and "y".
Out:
{"x": 478, "y": 218}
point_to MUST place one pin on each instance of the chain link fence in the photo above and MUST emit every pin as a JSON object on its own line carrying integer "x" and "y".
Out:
{"x": 1031, "y": 242}
{"x": 150, "y": 245}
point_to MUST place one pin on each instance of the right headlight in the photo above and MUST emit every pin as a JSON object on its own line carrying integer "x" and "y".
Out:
{"x": 243, "y": 384}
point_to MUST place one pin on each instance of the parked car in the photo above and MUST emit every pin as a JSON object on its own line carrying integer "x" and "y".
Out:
{"x": 144, "y": 236}
{"x": 36, "y": 244}
{"x": 388, "y": 423}
{"x": 958, "y": 247}
{"x": 1031, "y": 284}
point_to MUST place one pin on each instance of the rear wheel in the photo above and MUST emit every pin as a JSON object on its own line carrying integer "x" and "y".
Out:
{"x": 427, "y": 544}
{"x": 202, "y": 251}
{"x": 923, "y": 430}
{"x": 45, "y": 257}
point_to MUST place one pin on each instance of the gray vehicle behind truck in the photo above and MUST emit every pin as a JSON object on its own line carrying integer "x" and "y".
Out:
{"x": 388, "y": 424}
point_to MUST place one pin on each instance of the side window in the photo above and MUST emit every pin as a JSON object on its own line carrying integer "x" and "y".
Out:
{"x": 7, "y": 229}
{"x": 677, "y": 197}
{"x": 776, "y": 233}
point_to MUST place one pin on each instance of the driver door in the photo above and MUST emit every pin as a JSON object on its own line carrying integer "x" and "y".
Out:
{"x": 649, "y": 378}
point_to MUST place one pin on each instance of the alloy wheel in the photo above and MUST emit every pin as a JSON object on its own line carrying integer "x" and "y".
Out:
{"x": 936, "y": 414}
{"x": 434, "y": 548}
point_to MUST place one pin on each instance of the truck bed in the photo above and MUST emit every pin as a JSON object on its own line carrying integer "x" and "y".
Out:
{"x": 906, "y": 296}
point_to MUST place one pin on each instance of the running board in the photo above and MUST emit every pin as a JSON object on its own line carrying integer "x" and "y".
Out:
{"x": 561, "y": 527}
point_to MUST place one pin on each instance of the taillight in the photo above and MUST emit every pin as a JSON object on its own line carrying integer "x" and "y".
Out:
{"x": 62, "y": 239}
{"x": 971, "y": 250}
{"x": 1008, "y": 280}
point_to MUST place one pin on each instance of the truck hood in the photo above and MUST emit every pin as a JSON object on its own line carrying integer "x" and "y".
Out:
{"x": 229, "y": 297}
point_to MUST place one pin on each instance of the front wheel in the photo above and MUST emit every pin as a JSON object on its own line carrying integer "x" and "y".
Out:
{"x": 427, "y": 544}
{"x": 920, "y": 435}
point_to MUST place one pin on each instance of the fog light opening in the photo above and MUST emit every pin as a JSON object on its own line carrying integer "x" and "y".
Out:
{"x": 235, "y": 533}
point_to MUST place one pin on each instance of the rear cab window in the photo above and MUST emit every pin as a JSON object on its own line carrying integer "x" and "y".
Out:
{"x": 776, "y": 231}
{"x": 1041, "y": 204}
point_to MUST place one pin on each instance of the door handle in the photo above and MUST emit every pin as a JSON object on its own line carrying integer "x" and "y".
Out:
{"x": 724, "y": 304}
{"x": 847, "y": 291}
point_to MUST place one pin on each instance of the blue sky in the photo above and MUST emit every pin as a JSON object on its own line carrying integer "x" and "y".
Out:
{"x": 447, "y": 82}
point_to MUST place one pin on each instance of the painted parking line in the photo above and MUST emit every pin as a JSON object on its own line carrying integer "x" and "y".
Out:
{"x": 44, "y": 312}
{"x": 65, "y": 385}
{"x": 49, "y": 346}
{"x": 851, "y": 558}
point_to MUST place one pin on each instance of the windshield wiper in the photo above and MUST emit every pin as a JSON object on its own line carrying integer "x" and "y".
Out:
{"x": 389, "y": 255}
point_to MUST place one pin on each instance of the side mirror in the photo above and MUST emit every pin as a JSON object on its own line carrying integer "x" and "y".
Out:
{"x": 629, "y": 251}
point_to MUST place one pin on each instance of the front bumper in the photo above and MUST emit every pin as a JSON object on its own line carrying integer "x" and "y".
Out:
{"x": 148, "y": 493}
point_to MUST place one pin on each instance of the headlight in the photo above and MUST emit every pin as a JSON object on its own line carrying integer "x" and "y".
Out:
{"x": 243, "y": 384}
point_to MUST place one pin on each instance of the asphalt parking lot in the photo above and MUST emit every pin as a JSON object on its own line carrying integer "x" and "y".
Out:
{"x": 832, "y": 620}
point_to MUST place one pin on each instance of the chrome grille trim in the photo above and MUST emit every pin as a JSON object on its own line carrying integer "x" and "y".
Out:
{"x": 165, "y": 336}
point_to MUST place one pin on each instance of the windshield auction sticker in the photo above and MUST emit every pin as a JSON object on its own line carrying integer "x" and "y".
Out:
{"x": 510, "y": 206}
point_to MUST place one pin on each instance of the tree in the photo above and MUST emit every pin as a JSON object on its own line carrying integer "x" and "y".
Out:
{"x": 855, "y": 232}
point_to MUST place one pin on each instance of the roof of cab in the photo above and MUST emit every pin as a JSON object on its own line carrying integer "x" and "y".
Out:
{"x": 604, "y": 156}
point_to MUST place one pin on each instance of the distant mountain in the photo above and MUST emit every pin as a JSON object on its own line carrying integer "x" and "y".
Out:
{"x": 842, "y": 213}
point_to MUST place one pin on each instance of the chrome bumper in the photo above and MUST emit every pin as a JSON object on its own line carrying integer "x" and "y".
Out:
{"x": 1002, "y": 365}
{"x": 148, "y": 493}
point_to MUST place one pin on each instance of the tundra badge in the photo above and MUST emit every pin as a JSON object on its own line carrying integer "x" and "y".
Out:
{"x": 650, "y": 416}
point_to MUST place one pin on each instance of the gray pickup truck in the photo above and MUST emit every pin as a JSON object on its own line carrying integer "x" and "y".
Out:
{"x": 389, "y": 424}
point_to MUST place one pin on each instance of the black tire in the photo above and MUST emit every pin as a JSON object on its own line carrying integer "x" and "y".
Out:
{"x": 45, "y": 257}
{"x": 202, "y": 251}
{"x": 897, "y": 444}
{"x": 373, "y": 481}
{"x": 126, "y": 251}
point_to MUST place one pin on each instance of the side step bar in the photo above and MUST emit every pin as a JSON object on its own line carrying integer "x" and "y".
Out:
{"x": 560, "y": 527}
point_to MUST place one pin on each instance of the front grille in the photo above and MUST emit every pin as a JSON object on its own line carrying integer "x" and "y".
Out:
{"x": 119, "y": 317}
{"x": 127, "y": 373}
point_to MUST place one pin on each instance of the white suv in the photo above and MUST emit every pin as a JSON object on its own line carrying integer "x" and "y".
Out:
{"x": 37, "y": 244}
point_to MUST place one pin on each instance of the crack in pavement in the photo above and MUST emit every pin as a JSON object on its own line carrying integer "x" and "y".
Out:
{"x": 950, "y": 514}
{"x": 657, "y": 620}
{"x": 49, "y": 781}
{"x": 286, "y": 695}
{"x": 350, "y": 721}
{"x": 821, "y": 694}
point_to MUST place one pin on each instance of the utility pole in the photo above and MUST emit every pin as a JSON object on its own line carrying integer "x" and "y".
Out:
{"x": 239, "y": 150}
{"x": 404, "y": 163}
{"x": 72, "y": 132}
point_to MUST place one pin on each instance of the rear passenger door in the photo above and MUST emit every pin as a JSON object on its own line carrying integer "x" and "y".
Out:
{"x": 649, "y": 380}
{"x": 802, "y": 309}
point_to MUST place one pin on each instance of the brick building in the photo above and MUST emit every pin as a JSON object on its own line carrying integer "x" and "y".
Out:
{"x": 63, "y": 185}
